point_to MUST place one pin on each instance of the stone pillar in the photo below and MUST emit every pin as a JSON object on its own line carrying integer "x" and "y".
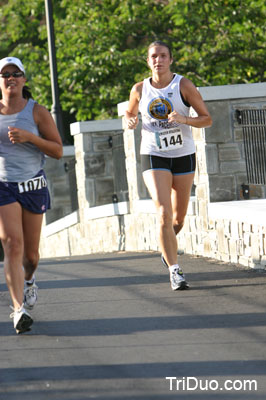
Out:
{"x": 131, "y": 167}
{"x": 94, "y": 162}
{"x": 201, "y": 181}
{"x": 136, "y": 187}
{"x": 201, "y": 177}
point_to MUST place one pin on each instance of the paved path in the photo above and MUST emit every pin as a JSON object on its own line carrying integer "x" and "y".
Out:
{"x": 108, "y": 327}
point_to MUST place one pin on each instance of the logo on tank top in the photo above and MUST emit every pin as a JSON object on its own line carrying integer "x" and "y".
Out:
{"x": 159, "y": 108}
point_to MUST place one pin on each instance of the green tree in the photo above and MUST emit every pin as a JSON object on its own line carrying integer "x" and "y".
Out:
{"x": 223, "y": 40}
{"x": 102, "y": 44}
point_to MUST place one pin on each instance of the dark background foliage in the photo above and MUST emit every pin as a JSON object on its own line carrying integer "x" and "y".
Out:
{"x": 101, "y": 46}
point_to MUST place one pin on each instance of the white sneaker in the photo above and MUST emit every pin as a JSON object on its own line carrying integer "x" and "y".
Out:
{"x": 30, "y": 295}
{"x": 21, "y": 319}
{"x": 177, "y": 278}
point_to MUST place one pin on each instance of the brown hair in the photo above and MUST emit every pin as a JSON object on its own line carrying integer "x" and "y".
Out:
{"x": 160, "y": 43}
{"x": 26, "y": 93}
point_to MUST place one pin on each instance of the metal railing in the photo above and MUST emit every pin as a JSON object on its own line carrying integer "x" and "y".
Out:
{"x": 253, "y": 122}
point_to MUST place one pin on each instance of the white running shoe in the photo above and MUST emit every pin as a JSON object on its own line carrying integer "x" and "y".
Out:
{"x": 177, "y": 279}
{"x": 30, "y": 295}
{"x": 21, "y": 319}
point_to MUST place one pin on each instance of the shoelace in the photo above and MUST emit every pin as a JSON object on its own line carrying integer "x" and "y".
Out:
{"x": 175, "y": 274}
{"x": 31, "y": 290}
{"x": 15, "y": 311}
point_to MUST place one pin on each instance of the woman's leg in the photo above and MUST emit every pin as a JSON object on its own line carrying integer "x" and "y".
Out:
{"x": 180, "y": 196}
{"x": 11, "y": 234}
{"x": 32, "y": 225}
{"x": 159, "y": 184}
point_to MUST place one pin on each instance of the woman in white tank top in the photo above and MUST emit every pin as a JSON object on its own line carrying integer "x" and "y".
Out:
{"x": 167, "y": 146}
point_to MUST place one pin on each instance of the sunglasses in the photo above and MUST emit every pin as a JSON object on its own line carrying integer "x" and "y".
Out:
{"x": 17, "y": 74}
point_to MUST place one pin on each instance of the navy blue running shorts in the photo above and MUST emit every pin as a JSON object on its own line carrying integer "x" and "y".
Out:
{"x": 33, "y": 194}
{"x": 177, "y": 166}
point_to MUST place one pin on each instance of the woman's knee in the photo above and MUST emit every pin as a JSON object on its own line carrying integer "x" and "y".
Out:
{"x": 165, "y": 216}
{"x": 31, "y": 259}
{"x": 178, "y": 218}
{"x": 13, "y": 246}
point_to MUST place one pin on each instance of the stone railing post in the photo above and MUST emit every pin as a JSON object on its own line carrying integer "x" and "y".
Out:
{"x": 136, "y": 187}
{"x": 131, "y": 167}
{"x": 94, "y": 162}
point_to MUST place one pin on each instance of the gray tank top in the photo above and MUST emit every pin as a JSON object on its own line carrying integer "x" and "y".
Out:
{"x": 19, "y": 161}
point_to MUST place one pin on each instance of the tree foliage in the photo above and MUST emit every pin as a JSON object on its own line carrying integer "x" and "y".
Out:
{"x": 101, "y": 46}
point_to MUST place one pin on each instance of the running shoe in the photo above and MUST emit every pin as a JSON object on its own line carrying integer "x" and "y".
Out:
{"x": 21, "y": 319}
{"x": 177, "y": 279}
{"x": 30, "y": 295}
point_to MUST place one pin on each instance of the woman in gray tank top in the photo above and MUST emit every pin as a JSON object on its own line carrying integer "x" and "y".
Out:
{"x": 27, "y": 133}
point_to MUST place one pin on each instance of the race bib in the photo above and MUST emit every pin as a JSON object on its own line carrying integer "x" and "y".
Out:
{"x": 169, "y": 139}
{"x": 32, "y": 184}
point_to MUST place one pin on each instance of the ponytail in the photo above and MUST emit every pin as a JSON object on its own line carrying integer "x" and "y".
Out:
{"x": 26, "y": 93}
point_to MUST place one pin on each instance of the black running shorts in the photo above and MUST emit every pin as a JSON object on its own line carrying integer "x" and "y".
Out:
{"x": 177, "y": 166}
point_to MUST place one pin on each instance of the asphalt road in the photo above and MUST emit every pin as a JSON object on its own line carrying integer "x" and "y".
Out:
{"x": 109, "y": 327}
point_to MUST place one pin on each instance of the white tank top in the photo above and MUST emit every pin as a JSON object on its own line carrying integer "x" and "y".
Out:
{"x": 158, "y": 137}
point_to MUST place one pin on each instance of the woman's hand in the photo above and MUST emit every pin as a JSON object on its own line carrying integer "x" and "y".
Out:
{"x": 175, "y": 117}
{"x": 17, "y": 135}
{"x": 132, "y": 122}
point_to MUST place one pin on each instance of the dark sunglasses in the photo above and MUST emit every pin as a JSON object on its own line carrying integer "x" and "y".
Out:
{"x": 17, "y": 74}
